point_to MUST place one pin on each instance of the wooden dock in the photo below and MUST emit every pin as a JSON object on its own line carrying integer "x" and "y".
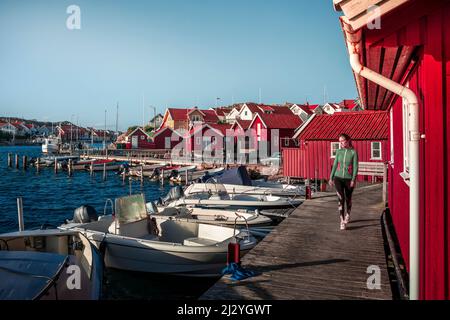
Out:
{"x": 308, "y": 257}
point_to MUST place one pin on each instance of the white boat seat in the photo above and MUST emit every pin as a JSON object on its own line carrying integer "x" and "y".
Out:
{"x": 135, "y": 229}
{"x": 199, "y": 242}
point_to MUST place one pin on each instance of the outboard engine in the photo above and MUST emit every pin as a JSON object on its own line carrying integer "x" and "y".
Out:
{"x": 173, "y": 174}
{"x": 151, "y": 208}
{"x": 174, "y": 194}
{"x": 156, "y": 174}
{"x": 85, "y": 214}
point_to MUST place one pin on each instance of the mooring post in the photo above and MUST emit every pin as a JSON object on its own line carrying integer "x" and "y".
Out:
{"x": 187, "y": 178}
{"x": 56, "y": 166}
{"x": 20, "y": 214}
{"x": 25, "y": 162}
{"x": 162, "y": 177}
{"x": 142, "y": 174}
{"x": 9, "y": 160}
{"x": 129, "y": 179}
{"x": 104, "y": 171}
{"x": 69, "y": 167}
{"x": 16, "y": 161}
{"x": 38, "y": 164}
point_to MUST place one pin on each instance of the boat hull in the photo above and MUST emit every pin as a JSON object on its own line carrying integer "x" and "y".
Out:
{"x": 167, "y": 258}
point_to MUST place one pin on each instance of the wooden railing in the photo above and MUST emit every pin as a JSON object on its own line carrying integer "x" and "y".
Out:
{"x": 375, "y": 169}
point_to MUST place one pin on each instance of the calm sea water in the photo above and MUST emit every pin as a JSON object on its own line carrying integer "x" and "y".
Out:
{"x": 52, "y": 198}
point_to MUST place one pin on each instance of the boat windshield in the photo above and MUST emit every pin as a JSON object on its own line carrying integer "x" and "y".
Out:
{"x": 217, "y": 190}
{"x": 131, "y": 208}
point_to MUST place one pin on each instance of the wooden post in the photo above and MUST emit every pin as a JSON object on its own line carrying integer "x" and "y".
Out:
{"x": 123, "y": 177}
{"x": 187, "y": 179}
{"x": 20, "y": 214}
{"x": 289, "y": 180}
{"x": 56, "y": 166}
{"x": 9, "y": 160}
{"x": 91, "y": 168}
{"x": 38, "y": 164}
{"x": 385, "y": 183}
{"x": 16, "y": 161}
{"x": 104, "y": 171}
{"x": 25, "y": 162}
{"x": 69, "y": 167}
{"x": 142, "y": 174}
{"x": 162, "y": 177}
{"x": 129, "y": 180}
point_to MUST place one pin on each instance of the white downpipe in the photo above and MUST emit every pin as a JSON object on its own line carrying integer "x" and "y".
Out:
{"x": 414, "y": 137}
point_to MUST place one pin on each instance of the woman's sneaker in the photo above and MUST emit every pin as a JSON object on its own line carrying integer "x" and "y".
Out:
{"x": 347, "y": 218}
{"x": 342, "y": 225}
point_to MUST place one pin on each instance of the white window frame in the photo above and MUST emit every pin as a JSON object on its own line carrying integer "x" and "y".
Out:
{"x": 286, "y": 142}
{"x": 338, "y": 147}
{"x": 167, "y": 142}
{"x": 372, "y": 149}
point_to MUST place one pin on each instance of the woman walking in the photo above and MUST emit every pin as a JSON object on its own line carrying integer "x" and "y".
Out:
{"x": 343, "y": 176}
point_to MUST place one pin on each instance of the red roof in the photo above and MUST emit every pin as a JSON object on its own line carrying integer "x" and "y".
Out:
{"x": 348, "y": 104}
{"x": 210, "y": 116}
{"x": 312, "y": 107}
{"x": 305, "y": 108}
{"x": 244, "y": 124}
{"x": 281, "y": 121}
{"x": 222, "y": 128}
{"x": 178, "y": 114}
{"x": 222, "y": 111}
{"x": 182, "y": 114}
{"x": 362, "y": 125}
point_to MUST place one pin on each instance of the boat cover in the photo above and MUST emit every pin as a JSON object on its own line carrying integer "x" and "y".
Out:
{"x": 237, "y": 175}
{"x": 25, "y": 274}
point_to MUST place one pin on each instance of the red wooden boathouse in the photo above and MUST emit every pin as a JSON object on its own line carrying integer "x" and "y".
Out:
{"x": 318, "y": 142}
{"x": 410, "y": 46}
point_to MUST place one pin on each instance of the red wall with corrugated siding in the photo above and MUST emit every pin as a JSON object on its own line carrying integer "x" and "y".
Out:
{"x": 313, "y": 159}
{"x": 431, "y": 83}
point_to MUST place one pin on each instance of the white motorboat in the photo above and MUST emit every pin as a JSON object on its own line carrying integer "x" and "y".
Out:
{"x": 175, "y": 172}
{"x": 217, "y": 197}
{"x": 281, "y": 190}
{"x": 240, "y": 218}
{"x": 137, "y": 242}
{"x": 146, "y": 170}
{"x": 44, "y": 264}
{"x": 195, "y": 175}
{"x": 51, "y": 145}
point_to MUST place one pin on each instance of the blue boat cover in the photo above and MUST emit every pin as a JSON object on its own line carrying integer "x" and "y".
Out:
{"x": 25, "y": 274}
{"x": 237, "y": 175}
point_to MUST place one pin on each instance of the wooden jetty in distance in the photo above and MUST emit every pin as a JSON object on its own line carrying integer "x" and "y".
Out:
{"x": 308, "y": 257}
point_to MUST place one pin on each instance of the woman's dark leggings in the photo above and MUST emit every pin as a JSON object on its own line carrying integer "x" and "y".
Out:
{"x": 344, "y": 192}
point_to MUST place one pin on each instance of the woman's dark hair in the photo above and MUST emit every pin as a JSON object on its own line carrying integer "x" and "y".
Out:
{"x": 347, "y": 137}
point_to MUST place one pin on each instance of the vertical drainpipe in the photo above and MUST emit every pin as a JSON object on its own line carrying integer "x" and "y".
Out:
{"x": 353, "y": 39}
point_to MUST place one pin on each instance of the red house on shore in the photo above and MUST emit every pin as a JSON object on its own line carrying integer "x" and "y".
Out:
{"x": 166, "y": 138}
{"x": 318, "y": 142}
{"x": 402, "y": 65}
{"x": 139, "y": 139}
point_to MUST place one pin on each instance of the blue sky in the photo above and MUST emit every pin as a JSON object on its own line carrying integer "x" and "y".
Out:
{"x": 177, "y": 53}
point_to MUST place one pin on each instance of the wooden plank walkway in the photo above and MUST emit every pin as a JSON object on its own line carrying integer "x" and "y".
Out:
{"x": 308, "y": 257}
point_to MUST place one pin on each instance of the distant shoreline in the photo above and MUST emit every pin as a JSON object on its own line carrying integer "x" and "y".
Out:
{"x": 19, "y": 144}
